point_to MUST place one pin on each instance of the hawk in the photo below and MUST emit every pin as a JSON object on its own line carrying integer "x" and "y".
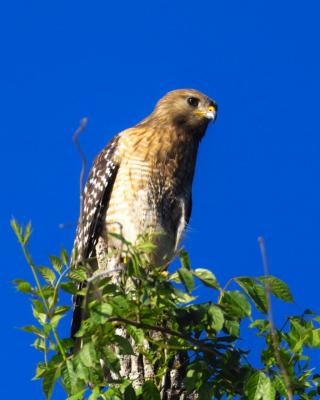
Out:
{"x": 141, "y": 182}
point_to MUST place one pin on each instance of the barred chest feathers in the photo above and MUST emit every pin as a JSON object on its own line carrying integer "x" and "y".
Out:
{"x": 152, "y": 193}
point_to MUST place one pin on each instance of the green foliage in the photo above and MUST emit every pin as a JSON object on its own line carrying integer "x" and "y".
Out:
{"x": 146, "y": 299}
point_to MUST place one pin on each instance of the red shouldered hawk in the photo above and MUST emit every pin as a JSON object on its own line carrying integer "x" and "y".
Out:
{"x": 141, "y": 181}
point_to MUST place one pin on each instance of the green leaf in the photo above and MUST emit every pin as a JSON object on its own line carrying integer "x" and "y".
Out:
{"x": 129, "y": 393}
{"x": 112, "y": 394}
{"x": 150, "y": 391}
{"x": 55, "y": 320}
{"x": 40, "y": 317}
{"x": 278, "y": 288}
{"x": 39, "y": 344}
{"x": 146, "y": 247}
{"x": 184, "y": 259}
{"x": 67, "y": 344}
{"x": 78, "y": 275}
{"x": 235, "y": 304}
{"x": 88, "y": 355}
{"x": 104, "y": 308}
{"x": 49, "y": 380}
{"x": 119, "y": 237}
{"x": 269, "y": 390}
{"x": 298, "y": 336}
{"x": 56, "y": 263}
{"x": 206, "y": 392}
{"x": 22, "y": 235}
{"x": 17, "y": 229}
{"x": 186, "y": 278}
{"x": 255, "y": 291}
{"x": 111, "y": 360}
{"x": 47, "y": 291}
{"x": 69, "y": 287}
{"x": 27, "y": 233}
{"x": 120, "y": 305}
{"x": 315, "y": 337}
{"x": 261, "y": 324}
{"x": 232, "y": 327}
{"x": 259, "y": 387}
{"x": 58, "y": 313}
{"x": 82, "y": 372}
{"x": 216, "y": 318}
{"x": 69, "y": 377}
{"x": 64, "y": 257}
{"x": 95, "y": 394}
{"x": 23, "y": 286}
{"x": 175, "y": 277}
{"x": 33, "y": 329}
{"x": 183, "y": 297}
{"x": 61, "y": 310}
{"x": 40, "y": 371}
{"x": 206, "y": 277}
{"x": 38, "y": 306}
{"x": 280, "y": 386}
{"x": 124, "y": 345}
{"x": 47, "y": 274}
{"x": 77, "y": 396}
{"x": 195, "y": 376}
{"x": 136, "y": 333}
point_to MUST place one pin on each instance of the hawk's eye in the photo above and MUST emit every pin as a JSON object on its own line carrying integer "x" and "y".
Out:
{"x": 193, "y": 101}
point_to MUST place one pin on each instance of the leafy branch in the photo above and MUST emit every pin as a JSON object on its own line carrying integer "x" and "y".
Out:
{"x": 162, "y": 318}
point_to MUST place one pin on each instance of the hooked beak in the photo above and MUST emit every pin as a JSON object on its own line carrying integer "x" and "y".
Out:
{"x": 209, "y": 114}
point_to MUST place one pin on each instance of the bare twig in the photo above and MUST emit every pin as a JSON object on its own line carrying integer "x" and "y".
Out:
{"x": 274, "y": 334}
{"x": 80, "y": 129}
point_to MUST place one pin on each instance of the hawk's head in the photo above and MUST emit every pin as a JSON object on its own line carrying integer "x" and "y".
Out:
{"x": 187, "y": 108}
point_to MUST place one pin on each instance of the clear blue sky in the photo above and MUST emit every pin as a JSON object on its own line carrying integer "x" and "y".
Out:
{"x": 258, "y": 168}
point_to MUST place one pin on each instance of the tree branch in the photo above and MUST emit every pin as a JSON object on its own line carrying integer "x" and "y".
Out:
{"x": 168, "y": 331}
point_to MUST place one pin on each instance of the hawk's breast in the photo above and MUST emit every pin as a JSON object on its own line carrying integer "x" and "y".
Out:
{"x": 152, "y": 192}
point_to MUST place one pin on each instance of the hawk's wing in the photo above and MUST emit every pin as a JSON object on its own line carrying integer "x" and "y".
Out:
{"x": 96, "y": 196}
